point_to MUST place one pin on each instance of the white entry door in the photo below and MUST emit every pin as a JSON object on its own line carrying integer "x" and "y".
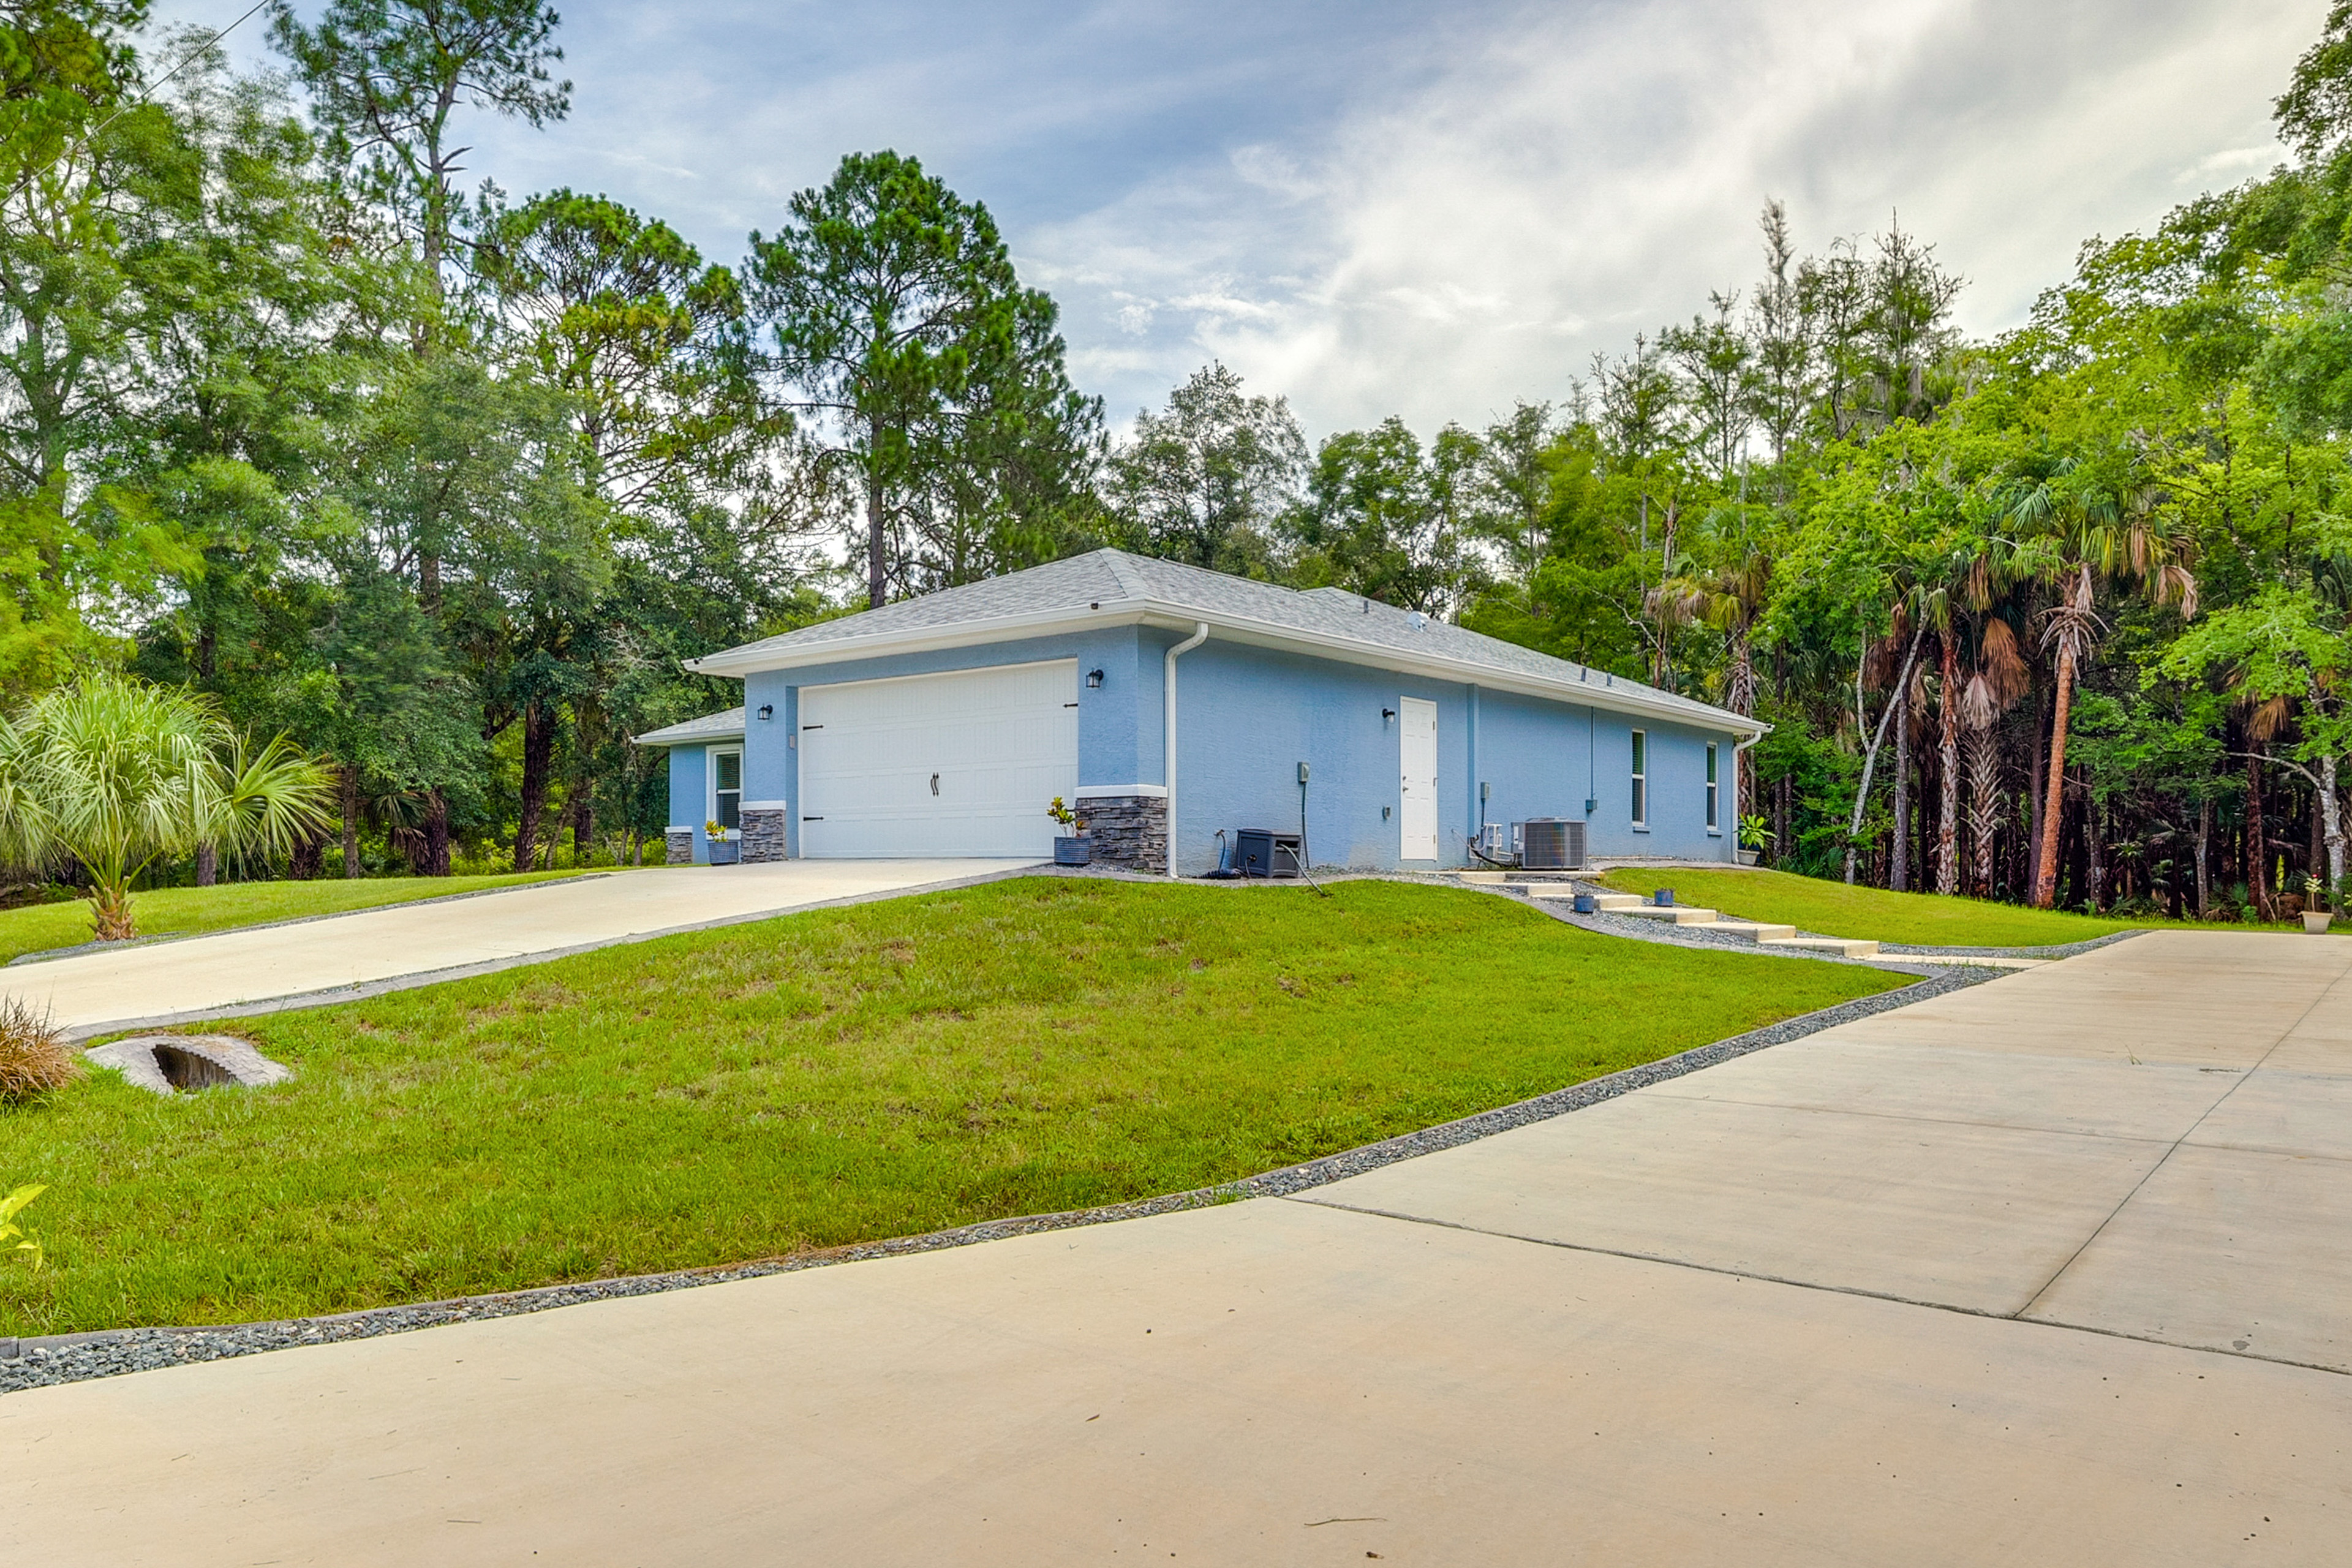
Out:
{"x": 961, "y": 764}
{"x": 1417, "y": 779}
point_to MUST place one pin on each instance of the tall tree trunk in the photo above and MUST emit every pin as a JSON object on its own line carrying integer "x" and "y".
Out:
{"x": 584, "y": 825}
{"x": 2332, "y": 820}
{"x": 1948, "y": 822}
{"x": 1870, "y": 754}
{"x": 2204, "y": 857}
{"x": 2045, "y": 881}
{"x": 351, "y": 792}
{"x": 1899, "y": 870}
{"x": 2258, "y": 880}
{"x": 436, "y": 833}
{"x": 1984, "y": 805}
{"x": 2033, "y": 782}
{"x": 1780, "y": 805}
{"x": 877, "y": 576}
{"x": 538, "y": 753}
{"x": 208, "y": 865}
{"x": 2095, "y": 845}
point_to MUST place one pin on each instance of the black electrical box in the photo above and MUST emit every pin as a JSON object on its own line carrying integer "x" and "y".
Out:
{"x": 1261, "y": 852}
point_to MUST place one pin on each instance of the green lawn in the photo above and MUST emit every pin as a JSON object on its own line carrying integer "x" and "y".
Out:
{"x": 1832, "y": 909}
{"x": 177, "y": 911}
{"x": 1031, "y": 1045}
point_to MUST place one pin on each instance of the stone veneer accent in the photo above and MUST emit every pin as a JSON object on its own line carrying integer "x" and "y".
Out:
{"x": 763, "y": 833}
{"x": 1130, "y": 830}
{"x": 680, "y": 843}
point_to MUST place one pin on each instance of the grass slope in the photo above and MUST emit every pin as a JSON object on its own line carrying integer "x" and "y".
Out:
{"x": 840, "y": 1075}
{"x": 179, "y": 911}
{"x": 1832, "y": 909}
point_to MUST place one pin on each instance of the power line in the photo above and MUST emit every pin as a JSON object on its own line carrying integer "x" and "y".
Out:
{"x": 186, "y": 60}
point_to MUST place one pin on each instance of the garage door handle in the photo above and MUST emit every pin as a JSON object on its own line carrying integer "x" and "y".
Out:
{"x": 935, "y": 783}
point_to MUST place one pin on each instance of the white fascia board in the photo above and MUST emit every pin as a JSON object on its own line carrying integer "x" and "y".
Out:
{"x": 656, "y": 738}
{"x": 1232, "y": 628}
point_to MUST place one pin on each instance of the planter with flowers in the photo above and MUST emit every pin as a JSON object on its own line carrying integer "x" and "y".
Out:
{"x": 725, "y": 850}
{"x": 1074, "y": 847}
{"x": 1753, "y": 837}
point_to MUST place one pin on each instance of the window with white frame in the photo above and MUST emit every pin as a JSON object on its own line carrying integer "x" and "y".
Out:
{"x": 726, "y": 789}
{"x": 1713, "y": 793}
{"x": 1640, "y": 778}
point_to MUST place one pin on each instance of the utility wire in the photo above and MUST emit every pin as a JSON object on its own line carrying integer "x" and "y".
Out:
{"x": 144, "y": 93}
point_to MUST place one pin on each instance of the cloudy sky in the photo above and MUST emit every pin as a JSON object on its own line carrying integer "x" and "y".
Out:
{"x": 1431, "y": 210}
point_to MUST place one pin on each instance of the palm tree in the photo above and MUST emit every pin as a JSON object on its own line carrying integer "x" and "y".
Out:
{"x": 1732, "y": 602}
{"x": 118, "y": 773}
{"x": 2081, "y": 525}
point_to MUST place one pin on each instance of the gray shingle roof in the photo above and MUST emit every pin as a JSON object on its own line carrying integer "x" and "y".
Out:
{"x": 1113, "y": 579}
{"x": 710, "y": 727}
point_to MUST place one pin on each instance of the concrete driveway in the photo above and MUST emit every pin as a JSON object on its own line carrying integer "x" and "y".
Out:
{"x": 2052, "y": 1270}
{"x": 335, "y": 958}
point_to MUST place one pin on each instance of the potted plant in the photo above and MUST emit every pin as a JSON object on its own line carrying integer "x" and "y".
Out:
{"x": 1753, "y": 837}
{"x": 724, "y": 849}
{"x": 1074, "y": 847}
{"x": 2316, "y": 914}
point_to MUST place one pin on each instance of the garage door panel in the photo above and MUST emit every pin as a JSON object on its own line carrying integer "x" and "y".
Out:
{"x": 961, "y": 763}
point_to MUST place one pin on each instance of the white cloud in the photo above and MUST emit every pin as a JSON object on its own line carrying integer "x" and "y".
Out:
{"x": 1586, "y": 172}
{"x": 1381, "y": 206}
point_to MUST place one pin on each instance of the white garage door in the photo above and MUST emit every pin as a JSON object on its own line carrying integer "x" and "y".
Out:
{"x": 939, "y": 764}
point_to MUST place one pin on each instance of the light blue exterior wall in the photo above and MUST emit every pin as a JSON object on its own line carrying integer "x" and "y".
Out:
{"x": 1248, "y": 716}
{"x": 689, "y": 792}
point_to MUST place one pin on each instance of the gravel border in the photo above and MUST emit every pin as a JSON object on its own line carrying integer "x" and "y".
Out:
{"x": 70, "y": 1358}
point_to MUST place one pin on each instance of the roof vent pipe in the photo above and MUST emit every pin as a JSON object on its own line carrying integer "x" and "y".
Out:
{"x": 1168, "y": 704}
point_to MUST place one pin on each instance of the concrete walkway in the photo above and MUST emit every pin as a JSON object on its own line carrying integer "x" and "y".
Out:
{"x": 2053, "y": 1269}
{"x": 370, "y": 949}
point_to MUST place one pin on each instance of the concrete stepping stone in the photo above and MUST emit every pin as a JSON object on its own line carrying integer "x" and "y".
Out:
{"x": 1842, "y": 946}
{"x": 1756, "y": 930}
{"x": 1673, "y": 914}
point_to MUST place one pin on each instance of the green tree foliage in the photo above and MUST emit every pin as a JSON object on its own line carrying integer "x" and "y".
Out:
{"x": 901, "y": 330}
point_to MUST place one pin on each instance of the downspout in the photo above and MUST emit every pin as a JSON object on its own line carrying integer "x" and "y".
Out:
{"x": 1168, "y": 703}
{"x": 1738, "y": 749}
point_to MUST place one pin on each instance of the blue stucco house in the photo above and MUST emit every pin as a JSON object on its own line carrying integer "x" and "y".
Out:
{"x": 943, "y": 726}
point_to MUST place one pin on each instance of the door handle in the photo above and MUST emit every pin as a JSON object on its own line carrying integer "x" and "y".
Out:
{"x": 935, "y": 783}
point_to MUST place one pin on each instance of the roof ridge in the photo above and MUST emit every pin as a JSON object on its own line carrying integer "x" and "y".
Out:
{"x": 1129, "y": 585}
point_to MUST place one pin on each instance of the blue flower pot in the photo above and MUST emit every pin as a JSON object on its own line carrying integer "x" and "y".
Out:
{"x": 1074, "y": 851}
{"x": 1664, "y": 898}
{"x": 1586, "y": 904}
{"x": 725, "y": 854}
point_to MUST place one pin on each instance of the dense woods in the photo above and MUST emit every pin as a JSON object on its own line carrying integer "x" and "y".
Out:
{"x": 300, "y": 411}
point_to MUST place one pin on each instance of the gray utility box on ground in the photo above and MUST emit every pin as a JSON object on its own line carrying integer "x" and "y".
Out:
{"x": 1551, "y": 844}
{"x": 1262, "y": 852}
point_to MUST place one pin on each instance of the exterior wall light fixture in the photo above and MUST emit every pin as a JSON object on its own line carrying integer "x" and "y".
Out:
{"x": 767, "y": 711}
{"x": 1387, "y": 714}
{"x": 1094, "y": 679}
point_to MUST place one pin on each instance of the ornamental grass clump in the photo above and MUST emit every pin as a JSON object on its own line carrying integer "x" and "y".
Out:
{"x": 34, "y": 1057}
{"x": 118, "y": 773}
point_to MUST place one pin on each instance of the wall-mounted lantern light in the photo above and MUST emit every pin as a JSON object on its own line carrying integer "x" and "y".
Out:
{"x": 767, "y": 711}
{"x": 1094, "y": 679}
{"x": 1387, "y": 714}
